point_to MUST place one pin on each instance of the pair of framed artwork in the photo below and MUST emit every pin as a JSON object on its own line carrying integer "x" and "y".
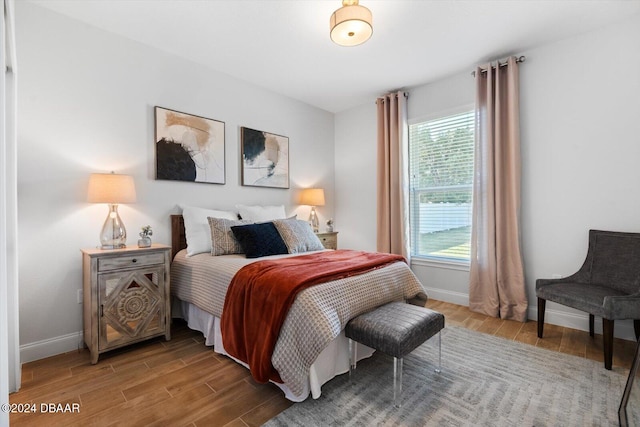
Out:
{"x": 192, "y": 148}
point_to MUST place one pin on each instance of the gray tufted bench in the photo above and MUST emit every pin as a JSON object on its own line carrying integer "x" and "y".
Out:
{"x": 395, "y": 329}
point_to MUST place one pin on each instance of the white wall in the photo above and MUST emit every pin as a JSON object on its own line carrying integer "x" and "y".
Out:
{"x": 86, "y": 101}
{"x": 580, "y": 149}
{"x": 355, "y": 163}
{"x": 580, "y": 110}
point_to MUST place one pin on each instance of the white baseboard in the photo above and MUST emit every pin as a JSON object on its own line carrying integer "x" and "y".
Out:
{"x": 579, "y": 321}
{"x": 50, "y": 347}
{"x": 448, "y": 296}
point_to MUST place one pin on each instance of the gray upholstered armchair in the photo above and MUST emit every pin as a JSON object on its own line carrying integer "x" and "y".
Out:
{"x": 607, "y": 285}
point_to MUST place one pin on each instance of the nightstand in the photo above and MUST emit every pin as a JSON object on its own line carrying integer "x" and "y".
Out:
{"x": 125, "y": 296}
{"x": 329, "y": 239}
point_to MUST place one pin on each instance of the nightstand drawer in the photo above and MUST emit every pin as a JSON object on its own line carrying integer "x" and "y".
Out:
{"x": 329, "y": 239}
{"x": 139, "y": 260}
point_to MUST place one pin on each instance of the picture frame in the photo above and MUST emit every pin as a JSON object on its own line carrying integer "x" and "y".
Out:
{"x": 264, "y": 159}
{"x": 189, "y": 147}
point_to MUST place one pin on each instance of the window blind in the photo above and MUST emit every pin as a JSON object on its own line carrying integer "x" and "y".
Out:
{"x": 441, "y": 171}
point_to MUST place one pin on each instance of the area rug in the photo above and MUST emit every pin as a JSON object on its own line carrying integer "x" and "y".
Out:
{"x": 485, "y": 381}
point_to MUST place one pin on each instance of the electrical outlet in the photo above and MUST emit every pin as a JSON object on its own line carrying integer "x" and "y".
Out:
{"x": 79, "y": 296}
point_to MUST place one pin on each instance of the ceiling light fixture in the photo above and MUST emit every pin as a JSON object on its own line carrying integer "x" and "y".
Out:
{"x": 351, "y": 25}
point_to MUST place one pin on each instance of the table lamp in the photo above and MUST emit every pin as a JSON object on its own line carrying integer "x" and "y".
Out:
{"x": 112, "y": 189}
{"x": 313, "y": 197}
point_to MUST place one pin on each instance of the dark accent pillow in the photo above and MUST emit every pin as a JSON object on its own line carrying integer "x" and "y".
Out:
{"x": 258, "y": 240}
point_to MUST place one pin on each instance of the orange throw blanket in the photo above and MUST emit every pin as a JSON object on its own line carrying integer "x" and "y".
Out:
{"x": 260, "y": 294}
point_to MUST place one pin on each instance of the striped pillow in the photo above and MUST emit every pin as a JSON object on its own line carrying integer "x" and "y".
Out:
{"x": 223, "y": 242}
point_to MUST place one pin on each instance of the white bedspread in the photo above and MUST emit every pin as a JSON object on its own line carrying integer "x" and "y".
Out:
{"x": 315, "y": 319}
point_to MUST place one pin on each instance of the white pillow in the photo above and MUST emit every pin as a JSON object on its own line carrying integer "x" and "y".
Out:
{"x": 261, "y": 213}
{"x": 196, "y": 227}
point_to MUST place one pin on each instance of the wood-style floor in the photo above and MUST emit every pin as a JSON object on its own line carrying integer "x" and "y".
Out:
{"x": 182, "y": 382}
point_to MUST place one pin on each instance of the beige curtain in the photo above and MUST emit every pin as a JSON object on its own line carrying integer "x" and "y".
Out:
{"x": 393, "y": 175}
{"x": 496, "y": 285}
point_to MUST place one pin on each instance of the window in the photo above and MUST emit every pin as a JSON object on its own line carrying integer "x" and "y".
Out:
{"x": 441, "y": 170}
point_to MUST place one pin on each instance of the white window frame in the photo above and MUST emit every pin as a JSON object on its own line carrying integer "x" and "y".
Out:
{"x": 425, "y": 260}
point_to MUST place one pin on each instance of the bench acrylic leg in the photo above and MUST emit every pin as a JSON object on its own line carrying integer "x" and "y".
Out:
{"x": 438, "y": 369}
{"x": 352, "y": 356}
{"x": 397, "y": 381}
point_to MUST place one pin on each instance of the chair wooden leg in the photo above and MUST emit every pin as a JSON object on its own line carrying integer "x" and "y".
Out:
{"x": 541, "y": 307}
{"x": 607, "y": 335}
{"x": 591, "y": 319}
{"x": 636, "y": 328}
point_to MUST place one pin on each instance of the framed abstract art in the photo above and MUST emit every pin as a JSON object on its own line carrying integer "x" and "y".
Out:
{"x": 265, "y": 159}
{"x": 189, "y": 147}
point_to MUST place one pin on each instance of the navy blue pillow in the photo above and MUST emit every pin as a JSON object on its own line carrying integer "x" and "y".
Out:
{"x": 258, "y": 240}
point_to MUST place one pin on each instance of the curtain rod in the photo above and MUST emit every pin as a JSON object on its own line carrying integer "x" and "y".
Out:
{"x": 521, "y": 58}
{"x": 382, "y": 97}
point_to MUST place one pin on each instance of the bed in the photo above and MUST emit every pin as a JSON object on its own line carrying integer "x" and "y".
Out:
{"x": 311, "y": 348}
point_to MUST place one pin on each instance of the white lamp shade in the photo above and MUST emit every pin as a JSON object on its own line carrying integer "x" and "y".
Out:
{"x": 312, "y": 197}
{"x": 351, "y": 25}
{"x": 111, "y": 188}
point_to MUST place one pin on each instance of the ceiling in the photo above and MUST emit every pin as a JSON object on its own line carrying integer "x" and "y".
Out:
{"x": 284, "y": 45}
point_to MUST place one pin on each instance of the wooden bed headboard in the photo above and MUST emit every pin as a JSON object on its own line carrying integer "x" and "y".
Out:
{"x": 178, "y": 238}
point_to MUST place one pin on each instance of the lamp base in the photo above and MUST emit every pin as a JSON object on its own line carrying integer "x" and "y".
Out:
{"x": 313, "y": 220}
{"x": 113, "y": 234}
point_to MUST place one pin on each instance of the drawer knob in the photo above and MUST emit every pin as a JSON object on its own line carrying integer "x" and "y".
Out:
{"x": 134, "y": 260}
